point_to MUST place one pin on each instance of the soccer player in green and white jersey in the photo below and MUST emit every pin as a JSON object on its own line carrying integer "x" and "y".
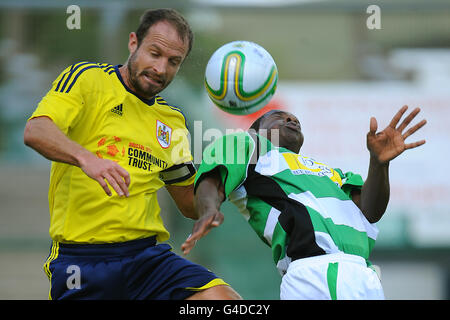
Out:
{"x": 319, "y": 222}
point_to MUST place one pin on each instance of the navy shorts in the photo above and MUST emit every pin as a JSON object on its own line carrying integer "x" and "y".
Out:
{"x": 133, "y": 270}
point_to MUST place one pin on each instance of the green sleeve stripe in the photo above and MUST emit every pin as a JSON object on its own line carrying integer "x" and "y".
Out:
{"x": 231, "y": 153}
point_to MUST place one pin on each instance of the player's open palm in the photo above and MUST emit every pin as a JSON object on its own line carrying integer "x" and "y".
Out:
{"x": 390, "y": 143}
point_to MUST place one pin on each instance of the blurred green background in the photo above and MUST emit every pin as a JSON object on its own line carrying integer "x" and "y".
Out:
{"x": 313, "y": 42}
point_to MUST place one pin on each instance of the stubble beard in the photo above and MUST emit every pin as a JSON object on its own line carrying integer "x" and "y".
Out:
{"x": 133, "y": 78}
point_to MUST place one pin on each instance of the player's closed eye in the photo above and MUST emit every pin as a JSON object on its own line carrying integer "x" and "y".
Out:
{"x": 175, "y": 62}
{"x": 155, "y": 54}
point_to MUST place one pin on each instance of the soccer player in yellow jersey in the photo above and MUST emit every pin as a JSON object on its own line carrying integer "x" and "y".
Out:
{"x": 113, "y": 143}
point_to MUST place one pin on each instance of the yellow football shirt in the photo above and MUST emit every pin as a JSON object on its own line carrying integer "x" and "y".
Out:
{"x": 92, "y": 105}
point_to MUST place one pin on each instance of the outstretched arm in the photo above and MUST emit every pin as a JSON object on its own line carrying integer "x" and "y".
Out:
{"x": 385, "y": 146}
{"x": 209, "y": 196}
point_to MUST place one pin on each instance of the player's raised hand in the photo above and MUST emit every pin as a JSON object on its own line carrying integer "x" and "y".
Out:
{"x": 390, "y": 143}
{"x": 202, "y": 227}
{"x": 103, "y": 170}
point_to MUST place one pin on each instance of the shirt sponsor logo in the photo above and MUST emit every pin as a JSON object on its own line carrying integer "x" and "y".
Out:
{"x": 300, "y": 165}
{"x": 141, "y": 158}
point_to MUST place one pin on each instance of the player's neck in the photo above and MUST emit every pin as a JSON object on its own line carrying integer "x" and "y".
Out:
{"x": 124, "y": 73}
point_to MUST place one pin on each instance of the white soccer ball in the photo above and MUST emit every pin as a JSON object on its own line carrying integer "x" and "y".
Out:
{"x": 241, "y": 77}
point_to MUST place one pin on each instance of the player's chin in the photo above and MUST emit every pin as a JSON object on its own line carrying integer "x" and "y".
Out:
{"x": 291, "y": 134}
{"x": 292, "y": 140}
{"x": 150, "y": 90}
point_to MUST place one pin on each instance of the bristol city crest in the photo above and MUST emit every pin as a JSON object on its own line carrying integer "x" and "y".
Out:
{"x": 163, "y": 134}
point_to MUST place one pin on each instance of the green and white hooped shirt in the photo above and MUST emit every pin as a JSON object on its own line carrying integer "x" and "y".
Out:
{"x": 296, "y": 205}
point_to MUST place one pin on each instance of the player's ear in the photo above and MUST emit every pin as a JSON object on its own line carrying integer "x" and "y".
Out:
{"x": 132, "y": 42}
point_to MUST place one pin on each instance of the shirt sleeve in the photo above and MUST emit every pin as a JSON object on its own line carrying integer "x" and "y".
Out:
{"x": 65, "y": 100}
{"x": 350, "y": 181}
{"x": 182, "y": 172}
{"x": 231, "y": 154}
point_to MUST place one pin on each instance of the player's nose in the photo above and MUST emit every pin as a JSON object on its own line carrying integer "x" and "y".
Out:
{"x": 292, "y": 119}
{"x": 160, "y": 67}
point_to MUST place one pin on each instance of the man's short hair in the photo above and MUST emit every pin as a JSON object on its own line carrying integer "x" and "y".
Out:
{"x": 152, "y": 16}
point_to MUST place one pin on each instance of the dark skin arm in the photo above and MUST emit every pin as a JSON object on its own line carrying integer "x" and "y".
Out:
{"x": 209, "y": 196}
{"x": 383, "y": 147}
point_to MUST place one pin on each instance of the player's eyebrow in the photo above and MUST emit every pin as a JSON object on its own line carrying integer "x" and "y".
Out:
{"x": 160, "y": 49}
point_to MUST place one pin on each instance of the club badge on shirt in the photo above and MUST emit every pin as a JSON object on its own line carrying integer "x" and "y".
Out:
{"x": 163, "y": 134}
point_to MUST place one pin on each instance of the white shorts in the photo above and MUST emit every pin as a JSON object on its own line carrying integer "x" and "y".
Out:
{"x": 331, "y": 276}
